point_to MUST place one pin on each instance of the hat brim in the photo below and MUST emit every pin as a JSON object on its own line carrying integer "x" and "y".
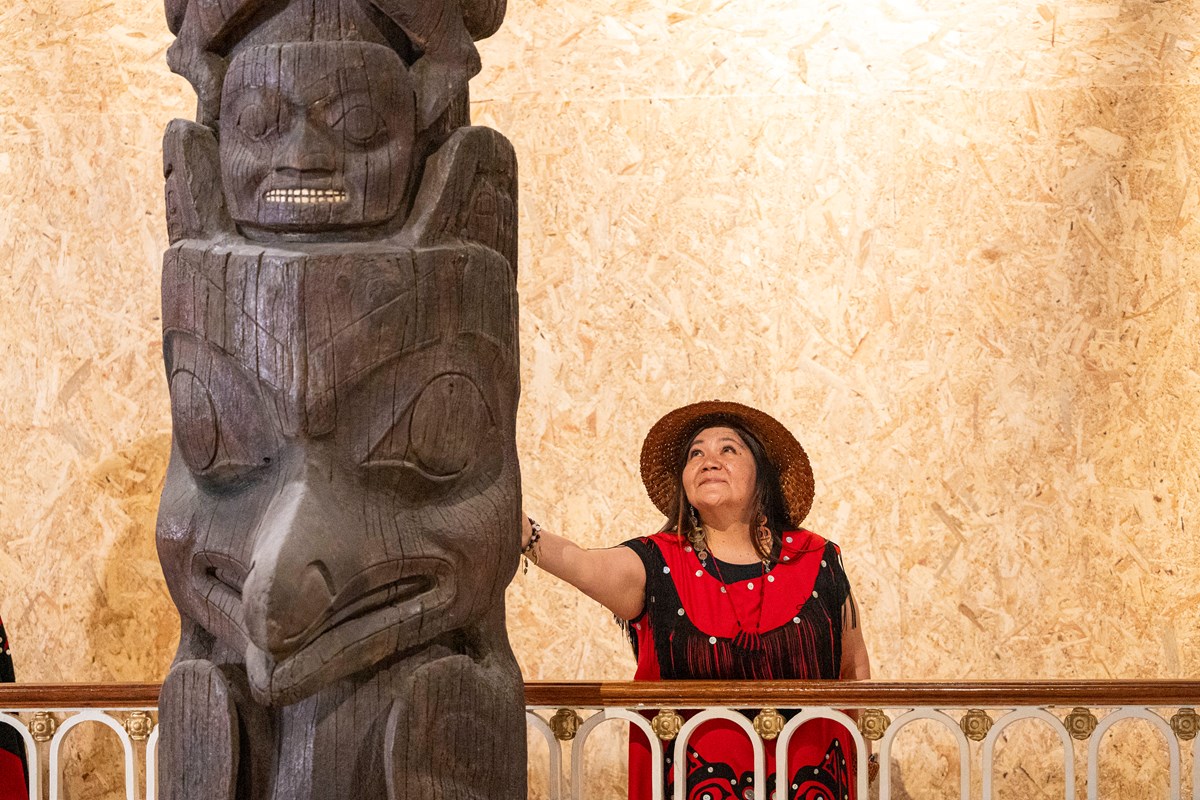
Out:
{"x": 665, "y": 442}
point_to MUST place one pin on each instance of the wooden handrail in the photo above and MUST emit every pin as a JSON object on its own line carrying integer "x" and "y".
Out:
{"x": 78, "y": 695}
{"x": 735, "y": 694}
{"x": 865, "y": 694}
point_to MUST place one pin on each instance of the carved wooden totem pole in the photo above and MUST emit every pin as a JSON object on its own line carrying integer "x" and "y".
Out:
{"x": 340, "y": 516}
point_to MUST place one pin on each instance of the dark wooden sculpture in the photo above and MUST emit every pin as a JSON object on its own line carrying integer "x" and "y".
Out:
{"x": 340, "y": 516}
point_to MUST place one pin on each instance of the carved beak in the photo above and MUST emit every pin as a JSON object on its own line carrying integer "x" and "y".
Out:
{"x": 319, "y": 602}
{"x": 291, "y": 588}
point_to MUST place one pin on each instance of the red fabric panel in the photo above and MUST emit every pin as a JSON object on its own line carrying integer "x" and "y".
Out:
{"x": 782, "y": 592}
{"x": 12, "y": 777}
{"x": 647, "y": 666}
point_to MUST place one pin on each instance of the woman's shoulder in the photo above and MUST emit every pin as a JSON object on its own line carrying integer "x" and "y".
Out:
{"x": 657, "y": 544}
{"x": 802, "y": 541}
{"x": 663, "y": 539}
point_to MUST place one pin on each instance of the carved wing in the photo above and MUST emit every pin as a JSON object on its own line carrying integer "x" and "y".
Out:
{"x": 175, "y": 11}
{"x": 198, "y": 26}
{"x": 455, "y": 736}
{"x": 209, "y": 19}
{"x": 483, "y": 17}
{"x": 468, "y": 193}
{"x": 195, "y": 203}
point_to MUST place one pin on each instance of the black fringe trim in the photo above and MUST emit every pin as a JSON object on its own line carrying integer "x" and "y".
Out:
{"x": 808, "y": 649}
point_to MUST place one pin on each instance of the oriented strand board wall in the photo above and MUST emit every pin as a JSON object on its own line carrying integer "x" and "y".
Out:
{"x": 84, "y": 423}
{"x": 950, "y": 244}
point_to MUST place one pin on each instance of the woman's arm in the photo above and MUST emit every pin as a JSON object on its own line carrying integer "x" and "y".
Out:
{"x": 614, "y": 577}
{"x": 856, "y": 664}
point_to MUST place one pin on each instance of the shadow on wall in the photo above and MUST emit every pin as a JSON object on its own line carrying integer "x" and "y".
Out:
{"x": 132, "y": 628}
{"x": 899, "y": 791}
{"x": 130, "y": 604}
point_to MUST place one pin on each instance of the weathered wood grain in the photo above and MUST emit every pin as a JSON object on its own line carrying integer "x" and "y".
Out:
{"x": 340, "y": 515}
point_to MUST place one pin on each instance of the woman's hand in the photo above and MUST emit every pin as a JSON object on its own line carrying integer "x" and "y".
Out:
{"x": 526, "y": 529}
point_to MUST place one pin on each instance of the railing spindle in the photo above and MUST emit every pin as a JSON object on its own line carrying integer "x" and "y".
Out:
{"x": 56, "y": 751}
{"x": 1129, "y": 712}
{"x": 989, "y": 747}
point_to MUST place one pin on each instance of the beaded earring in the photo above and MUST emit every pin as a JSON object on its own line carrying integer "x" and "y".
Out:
{"x": 696, "y": 535}
{"x": 764, "y": 536}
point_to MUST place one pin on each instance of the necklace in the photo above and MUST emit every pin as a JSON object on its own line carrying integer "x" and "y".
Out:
{"x": 748, "y": 641}
{"x": 698, "y": 538}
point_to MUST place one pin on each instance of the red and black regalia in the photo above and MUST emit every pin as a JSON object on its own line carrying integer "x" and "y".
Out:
{"x": 710, "y": 620}
{"x": 12, "y": 750}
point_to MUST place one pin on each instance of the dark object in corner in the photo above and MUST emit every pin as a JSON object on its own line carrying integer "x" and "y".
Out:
{"x": 14, "y": 780}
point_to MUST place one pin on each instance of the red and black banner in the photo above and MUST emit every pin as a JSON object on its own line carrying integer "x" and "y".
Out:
{"x": 13, "y": 779}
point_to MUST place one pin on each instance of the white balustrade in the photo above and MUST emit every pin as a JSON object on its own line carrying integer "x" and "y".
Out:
{"x": 975, "y": 730}
{"x": 44, "y": 731}
{"x": 976, "y": 754}
{"x": 578, "y": 785}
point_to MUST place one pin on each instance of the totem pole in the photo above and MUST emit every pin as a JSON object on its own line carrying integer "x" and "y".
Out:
{"x": 341, "y": 510}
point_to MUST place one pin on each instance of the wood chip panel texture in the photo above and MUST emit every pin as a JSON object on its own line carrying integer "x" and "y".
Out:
{"x": 950, "y": 244}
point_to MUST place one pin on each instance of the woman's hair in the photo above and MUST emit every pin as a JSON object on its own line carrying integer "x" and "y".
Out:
{"x": 766, "y": 502}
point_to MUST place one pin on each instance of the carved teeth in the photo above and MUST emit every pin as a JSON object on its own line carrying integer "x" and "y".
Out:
{"x": 304, "y": 196}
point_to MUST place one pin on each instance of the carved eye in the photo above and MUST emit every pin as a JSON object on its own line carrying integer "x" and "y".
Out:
{"x": 219, "y": 422}
{"x": 360, "y": 124}
{"x": 194, "y": 420}
{"x": 255, "y": 121}
{"x": 447, "y": 421}
{"x": 445, "y": 427}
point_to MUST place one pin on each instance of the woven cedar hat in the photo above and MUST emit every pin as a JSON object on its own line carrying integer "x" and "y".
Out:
{"x": 668, "y": 437}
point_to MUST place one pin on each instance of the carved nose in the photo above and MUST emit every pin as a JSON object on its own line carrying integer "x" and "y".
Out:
{"x": 306, "y": 152}
{"x": 290, "y": 588}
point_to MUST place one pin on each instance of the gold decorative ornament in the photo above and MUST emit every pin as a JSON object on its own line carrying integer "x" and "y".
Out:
{"x": 873, "y": 723}
{"x": 565, "y": 724}
{"x": 42, "y": 726}
{"x": 1186, "y": 723}
{"x": 666, "y": 724}
{"x": 1080, "y": 723}
{"x": 975, "y": 724}
{"x": 769, "y": 723}
{"x": 138, "y": 725}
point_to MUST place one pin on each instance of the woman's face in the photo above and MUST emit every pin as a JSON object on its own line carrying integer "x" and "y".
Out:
{"x": 719, "y": 473}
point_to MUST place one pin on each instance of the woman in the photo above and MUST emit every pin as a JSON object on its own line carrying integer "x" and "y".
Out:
{"x": 731, "y": 588}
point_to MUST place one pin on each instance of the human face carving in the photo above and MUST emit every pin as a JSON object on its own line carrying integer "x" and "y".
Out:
{"x": 719, "y": 474}
{"x": 316, "y": 136}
